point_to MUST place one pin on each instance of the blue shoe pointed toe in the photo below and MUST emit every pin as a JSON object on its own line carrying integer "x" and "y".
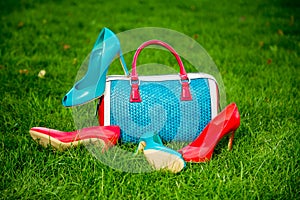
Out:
{"x": 158, "y": 155}
{"x": 92, "y": 85}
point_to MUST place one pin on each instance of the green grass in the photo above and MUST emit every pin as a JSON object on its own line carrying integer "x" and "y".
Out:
{"x": 256, "y": 46}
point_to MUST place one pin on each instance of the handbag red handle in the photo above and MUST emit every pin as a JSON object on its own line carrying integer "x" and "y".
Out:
{"x": 135, "y": 94}
{"x": 183, "y": 74}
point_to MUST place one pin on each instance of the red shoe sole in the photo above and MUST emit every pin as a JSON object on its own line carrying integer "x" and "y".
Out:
{"x": 104, "y": 136}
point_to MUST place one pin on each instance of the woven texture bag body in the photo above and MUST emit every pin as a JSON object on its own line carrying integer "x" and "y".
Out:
{"x": 177, "y": 107}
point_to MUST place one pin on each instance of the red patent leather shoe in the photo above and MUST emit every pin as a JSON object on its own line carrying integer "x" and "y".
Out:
{"x": 201, "y": 149}
{"x": 106, "y": 136}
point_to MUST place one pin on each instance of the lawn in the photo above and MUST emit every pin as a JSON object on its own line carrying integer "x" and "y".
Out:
{"x": 256, "y": 46}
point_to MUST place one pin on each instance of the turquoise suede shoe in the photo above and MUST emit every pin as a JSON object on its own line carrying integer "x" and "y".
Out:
{"x": 159, "y": 156}
{"x": 92, "y": 85}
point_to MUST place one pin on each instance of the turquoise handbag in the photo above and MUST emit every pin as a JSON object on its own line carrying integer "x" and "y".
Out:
{"x": 176, "y": 106}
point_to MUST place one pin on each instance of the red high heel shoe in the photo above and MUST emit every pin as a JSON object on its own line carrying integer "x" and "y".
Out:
{"x": 201, "y": 149}
{"x": 107, "y": 135}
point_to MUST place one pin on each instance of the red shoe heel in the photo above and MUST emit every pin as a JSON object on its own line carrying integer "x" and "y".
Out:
{"x": 230, "y": 143}
{"x": 202, "y": 148}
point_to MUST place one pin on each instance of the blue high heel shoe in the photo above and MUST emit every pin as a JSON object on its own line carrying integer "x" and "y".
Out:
{"x": 159, "y": 156}
{"x": 92, "y": 85}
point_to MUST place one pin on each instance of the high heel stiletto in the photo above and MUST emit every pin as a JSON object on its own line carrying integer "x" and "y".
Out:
{"x": 92, "y": 85}
{"x": 107, "y": 135}
{"x": 201, "y": 149}
{"x": 159, "y": 156}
